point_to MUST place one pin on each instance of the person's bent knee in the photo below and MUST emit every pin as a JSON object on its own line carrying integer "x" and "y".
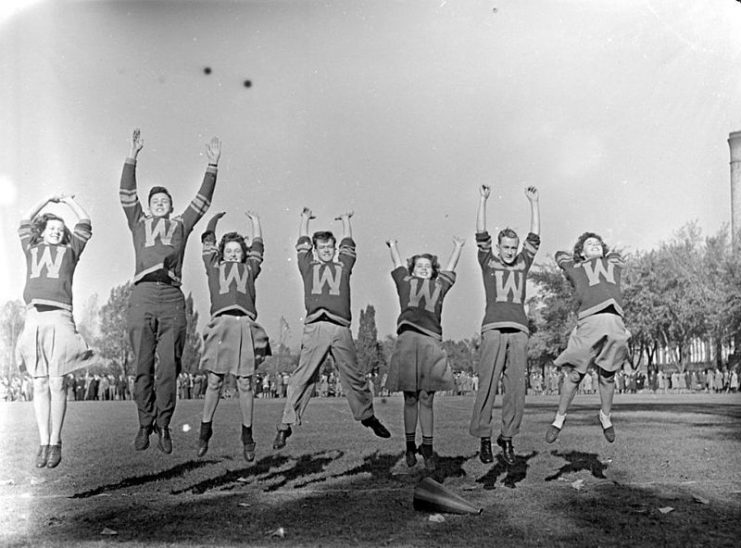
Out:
{"x": 607, "y": 377}
{"x": 244, "y": 384}
{"x": 426, "y": 398}
{"x": 410, "y": 398}
{"x": 574, "y": 376}
{"x": 215, "y": 382}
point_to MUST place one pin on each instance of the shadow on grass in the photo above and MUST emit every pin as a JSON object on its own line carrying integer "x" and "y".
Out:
{"x": 354, "y": 512}
{"x": 578, "y": 461}
{"x": 513, "y": 474}
{"x": 616, "y": 514}
{"x": 174, "y": 472}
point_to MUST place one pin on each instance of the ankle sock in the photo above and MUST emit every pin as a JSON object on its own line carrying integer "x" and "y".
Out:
{"x": 558, "y": 421}
{"x": 426, "y": 448}
{"x": 604, "y": 419}
{"x": 411, "y": 442}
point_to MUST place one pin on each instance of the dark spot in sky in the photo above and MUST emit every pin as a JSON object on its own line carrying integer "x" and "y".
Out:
{"x": 207, "y": 70}
{"x": 248, "y": 83}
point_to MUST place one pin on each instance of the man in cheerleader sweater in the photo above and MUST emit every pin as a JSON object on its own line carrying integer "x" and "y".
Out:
{"x": 600, "y": 338}
{"x": 156, "y": 315}
{"x": 504, "y": 330}
{"x": 327, "y": 328}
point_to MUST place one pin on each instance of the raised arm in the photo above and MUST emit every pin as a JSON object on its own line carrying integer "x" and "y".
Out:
{"x": 346, "y": 226}
{"x": 76, "y": 208}
{"x": 484, "y": 192}
{"x": 36, "y": 209}
{"x": 456, "y": 253}
{"x": 200, "y": 204}
{"x": 127, "y": 189}
{"x": 212, "y": 222}
{"x": 256, "y": 227}
{"x": 306, "y": 216}
{"x": 532, "y": 195}
{"x": 395, "y": 256}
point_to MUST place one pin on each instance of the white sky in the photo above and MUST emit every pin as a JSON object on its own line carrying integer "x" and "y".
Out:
{"x": 618, "y": 111}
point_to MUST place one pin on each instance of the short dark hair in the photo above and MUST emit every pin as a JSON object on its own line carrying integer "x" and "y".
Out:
{"x": 579, "y": 245}
{"x": 507, "y": 233}
{"x": 323, "y": 235}
{"x": 158, "y": 190}
{"x": 411, "y": 262}
{"x": 233, "y": 237}
{"x": 39, "y": 225}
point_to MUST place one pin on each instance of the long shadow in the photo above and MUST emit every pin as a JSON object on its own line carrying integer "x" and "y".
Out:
{"x": 578, "y": 461}
{"x": 450, "y": 467}
{"x": 513, "y": 474}
{"x": 232, "y": 477}
{"x": 378, "y": 466}
{"x": 305, "y": 465}
{"x": 174, "y": 472}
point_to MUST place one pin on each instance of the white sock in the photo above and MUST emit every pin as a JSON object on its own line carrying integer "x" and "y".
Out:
{"x": 604, "y": 419}
{"x": 558, "y": 421}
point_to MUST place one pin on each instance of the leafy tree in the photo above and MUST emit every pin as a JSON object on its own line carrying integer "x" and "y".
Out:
{"x": 12, "y": 320}
{"x": 552, "y": 313}
{"x": 193, "y": 342}
{"x": 461, "y": 354}
{"x": 370, "y": 355}
{"x": 113, "y": 343}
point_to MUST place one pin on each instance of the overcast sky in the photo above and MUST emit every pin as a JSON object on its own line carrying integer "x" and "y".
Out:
{"x": 618, "y": 112}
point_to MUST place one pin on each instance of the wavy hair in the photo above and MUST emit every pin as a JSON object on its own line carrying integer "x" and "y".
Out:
{"x": 432, "y": 258}
{"x": 579, "y": 245}
{"x": 233, "y": 237}
{"x": 39, "y": 225}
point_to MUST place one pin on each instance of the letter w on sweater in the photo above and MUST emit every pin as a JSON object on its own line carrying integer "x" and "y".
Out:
{"x": 160, "y": 230}
{"x": 52, "y": 266}
{"x": 416, "y": 293}
{"x": 330, "y": 276}
{"x": 225, "y": 280}
{"x": 596, "y": 269}
{"x": 512, "y": 285}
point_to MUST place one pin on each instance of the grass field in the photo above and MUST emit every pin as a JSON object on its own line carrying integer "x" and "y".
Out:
{"x": 672, "y": 478}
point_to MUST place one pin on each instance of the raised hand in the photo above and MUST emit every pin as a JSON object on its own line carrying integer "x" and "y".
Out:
{"x": 532, "y": 193}
{"x": 485, "y": 191}
{"x": 347, "y": 215}
{"x": 213, "y": 150}
{"x": 307, "y": 213}
{"x": 137, "y": 143}
{"x": 458, "y": 242}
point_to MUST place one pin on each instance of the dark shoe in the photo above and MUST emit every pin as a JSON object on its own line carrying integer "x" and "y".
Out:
{"x": 55, "y": 456}
{"x": 164, "y": 441}
{"x": 203, "y": 437}
{"x": 280, "y": 438}
{"x": 374, "y": 424}
{"x": 42, "y": 457}
{"x": 485, "y": 454}
{"x": 508, "y": 452}
{"x": 411, "y": 456}
{"x": 609, "y": 433}
{"x": 552, "y": 433}
{"x": 141, "y": 442}
{"x": 249, "y": 450}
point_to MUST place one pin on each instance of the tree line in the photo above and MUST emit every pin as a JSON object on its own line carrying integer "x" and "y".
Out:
{"x": 686, "y": 290}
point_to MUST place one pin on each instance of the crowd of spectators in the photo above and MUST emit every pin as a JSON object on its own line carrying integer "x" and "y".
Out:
{"x": 91, "y": 387}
